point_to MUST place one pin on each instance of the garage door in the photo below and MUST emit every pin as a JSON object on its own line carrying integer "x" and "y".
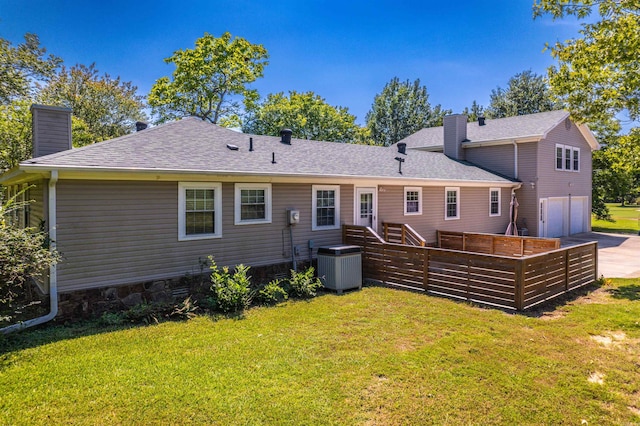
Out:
{"x": 556, "y": 214}
{"x": 579, "y": 214}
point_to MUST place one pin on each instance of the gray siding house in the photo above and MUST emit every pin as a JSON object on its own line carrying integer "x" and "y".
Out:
{"x": 548, "y": 153}
{"x": 154, "y": 204}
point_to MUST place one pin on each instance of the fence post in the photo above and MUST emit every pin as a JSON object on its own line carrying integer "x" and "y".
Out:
{"x": 594, "y": 247}
{"x": 425, "y": 270}
{"x": 519, "y": 283}
{"x": 566, "y": 269}
{"x": 403, "y": 234}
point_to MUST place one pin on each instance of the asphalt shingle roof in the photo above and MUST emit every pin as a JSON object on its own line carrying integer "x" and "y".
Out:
{"x": 524, "y": 126}
{"x": 192, "y": 145}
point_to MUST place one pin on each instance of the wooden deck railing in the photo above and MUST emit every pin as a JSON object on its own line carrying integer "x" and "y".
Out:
{"x": 512, "y": 282}
{"x": 505, "y": 245}
{"x": 401, "y": 233}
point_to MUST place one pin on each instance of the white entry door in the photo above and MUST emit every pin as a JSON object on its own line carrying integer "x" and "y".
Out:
{"x": 365, "y": 210}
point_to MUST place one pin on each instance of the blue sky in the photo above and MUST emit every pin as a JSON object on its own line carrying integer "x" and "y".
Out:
{"x": 343, "y": 51}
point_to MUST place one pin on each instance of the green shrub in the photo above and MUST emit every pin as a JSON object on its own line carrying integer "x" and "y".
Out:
{"x": 303, "y": 284}
{"x": 230, "y": 292}
{"x": 272, "y": 294}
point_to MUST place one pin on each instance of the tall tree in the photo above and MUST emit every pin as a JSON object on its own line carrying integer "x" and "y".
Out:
{"x": 23, "y": 64}
{"x": 597, "y": 74}
{"x": 209, "y": 80}
{"x": 402, "y": 108}
{"x": 474, "y": 112}
{"x": 526, "y": 93}
{"x": 308, "y": 115}
{"x": 103, "y": 107}
{"x": 15, "y": 133}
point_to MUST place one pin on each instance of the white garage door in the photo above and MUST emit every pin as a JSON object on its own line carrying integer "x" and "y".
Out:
{"x": 556, "y": 214}
{"x": 579, "y": 214}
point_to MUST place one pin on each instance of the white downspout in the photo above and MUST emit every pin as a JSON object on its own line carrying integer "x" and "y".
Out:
{"x": 53, "y": 271}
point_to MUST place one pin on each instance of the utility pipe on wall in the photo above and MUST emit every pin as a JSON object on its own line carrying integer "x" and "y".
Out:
{"x": 53, "y": 271}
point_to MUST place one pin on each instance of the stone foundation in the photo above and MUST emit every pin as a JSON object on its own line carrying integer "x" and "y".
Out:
{"x": 84, "y": 304}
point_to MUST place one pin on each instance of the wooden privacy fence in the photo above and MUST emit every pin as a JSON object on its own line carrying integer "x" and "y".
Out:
{"x": 503, "y": 281}
{"x": 505, "y": 245}
{"x": 401, "y": 233}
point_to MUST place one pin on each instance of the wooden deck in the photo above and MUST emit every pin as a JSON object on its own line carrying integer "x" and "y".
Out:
{"x": 536, "y": 272}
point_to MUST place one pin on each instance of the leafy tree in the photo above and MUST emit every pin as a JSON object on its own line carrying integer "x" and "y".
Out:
{"x": 308, "y": 115}
{"x": 22, "y": 64}
{"x": 526, "y": 93}
{"x": 475, "y": 112}
{"x": 597, "y": 74}
{"x": 15, "y": 133}
{"x": 208, "y": 79}
{"x": 617, "y": 170}
{"x": 402, "y": 108}
{"x": 103, "y": 107}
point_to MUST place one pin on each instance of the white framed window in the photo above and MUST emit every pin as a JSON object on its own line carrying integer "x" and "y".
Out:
{"x": 559, "y": 157}
{"x": 494, "y": 202}
{"x": 325, "y": 209}
{"x": 451, "y": 203}
{"x": 567, "y": 158}
{"x": 412, "y": 200}
{"x": 252, "y": 203}
{"x": 576, "y": 159}
{"x": 199, "y": 210}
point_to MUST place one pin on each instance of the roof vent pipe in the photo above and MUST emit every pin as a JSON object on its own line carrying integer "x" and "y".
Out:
{"x": 285, "y": 134}
{"x": 402, "y": 148}
{"x": 250, "y": 144}
{"x": 141, "y": 125}
{"x": 481, "y": 120}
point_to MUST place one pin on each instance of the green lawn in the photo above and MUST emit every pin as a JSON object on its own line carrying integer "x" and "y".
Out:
{"x": 626, "y": 220}
{"x": 377, "y": 356}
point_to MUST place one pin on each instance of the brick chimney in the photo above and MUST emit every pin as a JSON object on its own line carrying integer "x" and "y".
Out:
{"x": 455, "y": 132}
{"x": 51, "y": 129}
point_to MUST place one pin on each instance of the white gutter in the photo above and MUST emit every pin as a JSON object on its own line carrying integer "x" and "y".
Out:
{"x": 53, "y": 271}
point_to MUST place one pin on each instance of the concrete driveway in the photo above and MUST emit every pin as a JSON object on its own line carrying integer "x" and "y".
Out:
{"x": 618, "y": 254}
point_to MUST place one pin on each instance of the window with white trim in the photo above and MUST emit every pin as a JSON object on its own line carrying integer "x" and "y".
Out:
{"x": 576, "y": 159}
{"x": 412, "y": 200}
{"x": 325, "y": 209}
{"x": 567, "y": 158}
{"x": 252, "y": 203}
{"x": 494, "y": 202}
{"x": 199, "y": 210}
{"x": 451, "y": 203}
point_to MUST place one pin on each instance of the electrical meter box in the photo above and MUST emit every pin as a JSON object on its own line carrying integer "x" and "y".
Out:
{"x": 294, "y": 216}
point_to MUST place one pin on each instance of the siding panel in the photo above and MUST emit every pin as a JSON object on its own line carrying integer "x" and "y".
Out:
{"x": 121, "y": 232}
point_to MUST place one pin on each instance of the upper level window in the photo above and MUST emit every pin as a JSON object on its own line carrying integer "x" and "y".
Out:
{"x": 452, "y": 203}
{"x": 326, "y": 207}
{"x": 567, "y": 158}
{"x": 494, "y": 202}
{"x": 412, "y": 200}
{"x": 252, "y": 203}
{"x": 576, "y": 159}
{"x": 199, "y": 210}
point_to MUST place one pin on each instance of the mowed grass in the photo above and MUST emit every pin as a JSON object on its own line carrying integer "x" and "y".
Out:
{"x": 626, "y": 220}
{"x": 376, "y": 356}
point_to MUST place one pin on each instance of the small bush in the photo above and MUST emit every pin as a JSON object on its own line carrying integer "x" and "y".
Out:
{"x": 230, "y": 292}
{"x": 272, "y": 294}
{"x": 303, "y": 284}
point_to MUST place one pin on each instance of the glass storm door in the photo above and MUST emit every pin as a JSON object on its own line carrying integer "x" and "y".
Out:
{"x": 366, "y": 207}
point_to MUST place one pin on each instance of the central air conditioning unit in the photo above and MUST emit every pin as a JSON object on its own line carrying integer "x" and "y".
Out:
{"x": 340, "y": 267}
